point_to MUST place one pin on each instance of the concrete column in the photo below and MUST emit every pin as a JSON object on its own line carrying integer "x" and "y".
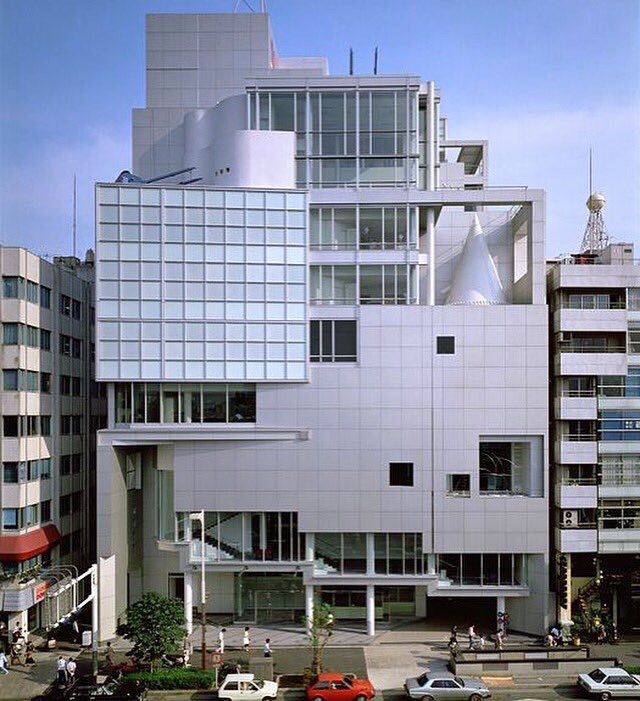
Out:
{"x": 500, "y": 607}
{"x": 421, "y": 601}
{"x": 310, "y": 547}
{"x": 371, "y": 609}
{"x": 430, "y": 136}
{"x": 371, "y": 554}
{"x": 431, "y": 256}
{"x": 188, "y": 602}
{"x": 308, "y": 604}
{"x": 431, "y": 563}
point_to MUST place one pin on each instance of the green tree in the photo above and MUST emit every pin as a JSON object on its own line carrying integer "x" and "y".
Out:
{"x": 320, "y": 627}
{"x": 155, "y": 625}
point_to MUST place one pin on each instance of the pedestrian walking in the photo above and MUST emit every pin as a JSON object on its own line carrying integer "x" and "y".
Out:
{"x": 3, "y": 663}
{"x": 221, "y": 640}
{"x": 71, "y": 670}
{"x": 16, "y": 653}
{"x": 453, "y": 637}
{"x": 505, "y": 624}
{"x": 17, "y": 633}
{"x": 61, "y": 666}
{"x": 267, "y": 648}
{"x": 498, "y": 639}
{"x": 109, "y": 659}
{"x": 30, "y": 655}
{"x": 246, "y": 640}
{"x": 472, "y": 634}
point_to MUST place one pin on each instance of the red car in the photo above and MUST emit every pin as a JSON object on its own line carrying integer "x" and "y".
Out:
{"x": 334, "y": 686}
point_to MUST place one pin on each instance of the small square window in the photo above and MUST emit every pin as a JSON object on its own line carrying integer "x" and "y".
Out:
{"x": 459, "y": 485}
{"x": 445, "y": 345}
{"x": 401, "y": 474}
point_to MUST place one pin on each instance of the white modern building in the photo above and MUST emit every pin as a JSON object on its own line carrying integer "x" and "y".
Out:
{"x": 50, "y": 412}
{"x": 328, "y": 334}
{"x": 594, "y": 301}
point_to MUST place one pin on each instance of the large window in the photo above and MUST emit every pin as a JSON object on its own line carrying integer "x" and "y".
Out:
{"x": 343, "y": 137}
{"x": 620, "y": 385}
{"x": 488, "y": 569}
{"x": 619, "y": 425}
{"x": 333, "y": 341}
{"x": 333, "y": 284}
{"x": 343, "y": 553}
{"x": 398, "y": 553}
{"x": 385, "y": 284}
{"x": 616, "y": 514}
{"x": 185, "y": 403}
{"x": 245, "y": 536}
{"x": 496, "y": 467}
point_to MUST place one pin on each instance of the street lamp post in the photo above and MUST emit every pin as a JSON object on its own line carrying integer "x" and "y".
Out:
{"x": 203, "y": 595}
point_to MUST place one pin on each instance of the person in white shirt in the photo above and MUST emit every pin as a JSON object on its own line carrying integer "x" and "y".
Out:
{"x": 245, "y": 639}
{"x": 221, "y": 640}
{"x": 267, "y": 648}
{"x": 3, "y": 663}
{"x": 472, "y": 634}
{"x": 71, "y": 670}
{"x": 62, "y": 670}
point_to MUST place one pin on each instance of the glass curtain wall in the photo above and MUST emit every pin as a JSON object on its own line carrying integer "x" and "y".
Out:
{"x": 345, "y": 137}
{"x": 364, "y": 284}
{"x": 488, "y": 569}
{"x": 368, "y": 228}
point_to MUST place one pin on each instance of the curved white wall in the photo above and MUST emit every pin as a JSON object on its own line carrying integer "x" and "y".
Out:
{"x": 226, "y": 156}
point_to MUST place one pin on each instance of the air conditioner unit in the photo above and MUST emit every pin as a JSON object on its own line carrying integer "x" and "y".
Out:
{"x": 569, "y": 518}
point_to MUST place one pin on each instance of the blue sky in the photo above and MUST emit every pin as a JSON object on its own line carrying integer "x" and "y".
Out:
{"x": 543, "y": 80}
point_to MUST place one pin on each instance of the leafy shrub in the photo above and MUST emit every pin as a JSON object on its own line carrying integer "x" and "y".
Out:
{"x": 175, "y": 678}
{"x": 632, "y": 668}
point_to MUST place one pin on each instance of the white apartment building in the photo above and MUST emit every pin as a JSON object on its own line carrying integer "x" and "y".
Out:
{"x": 329, "y": 335}
{"x": 49, "y": 412}
{"x": 594, "y": 302}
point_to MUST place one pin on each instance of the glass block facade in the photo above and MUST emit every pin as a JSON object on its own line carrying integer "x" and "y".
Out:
{"x": 201, "y": 284}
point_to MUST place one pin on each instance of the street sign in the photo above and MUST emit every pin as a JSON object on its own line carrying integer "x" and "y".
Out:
{"x": 216, "y": 659}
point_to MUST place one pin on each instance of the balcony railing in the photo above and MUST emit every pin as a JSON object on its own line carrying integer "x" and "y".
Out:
{"x": 578, "y": 437}
{"x": 586, "y": 305}
{"x": 573, "y": 347}
{"x": 568, "y": 392}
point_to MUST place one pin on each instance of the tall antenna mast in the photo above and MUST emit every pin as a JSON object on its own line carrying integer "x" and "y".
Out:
{"x": 375, "y": 62}
{"x": 75, "y": 208}
{"x": 595, "y": 237}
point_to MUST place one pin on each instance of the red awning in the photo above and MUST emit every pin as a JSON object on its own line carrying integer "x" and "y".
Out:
{"x": 25, "y": 545}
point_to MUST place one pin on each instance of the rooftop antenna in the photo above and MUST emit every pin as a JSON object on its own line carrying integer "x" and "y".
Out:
{"x": 595, "y": 237}
{"x": 75, "y": 209}
{"x": 375, "y": 61}
{"x": 350, "y": 60}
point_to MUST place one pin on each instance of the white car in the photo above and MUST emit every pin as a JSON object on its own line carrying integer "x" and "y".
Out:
{"x": 245, "y": 687}
{"x": 610, "y": 683}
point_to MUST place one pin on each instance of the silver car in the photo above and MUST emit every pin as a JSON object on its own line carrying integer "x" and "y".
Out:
{"x": 437, "y": 687}
{"x": 610, "y": 683}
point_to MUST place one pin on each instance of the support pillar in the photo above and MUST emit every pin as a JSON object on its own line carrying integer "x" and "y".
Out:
{"x": 188, "y": 602}
{"x": 431, "y": 563}
{"x": 310, "y": 547}
{"x": 371, "y": 610}
{"x": 371, "y": 554}
{"x": 421, "y": 601}
{"x": 431, "y": 256}
{"x": 500, "y": 606}
{"x": 308, "y": 604}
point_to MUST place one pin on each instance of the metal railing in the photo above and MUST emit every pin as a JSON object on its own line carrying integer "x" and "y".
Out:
{"x": 578, "y": 437}
{"x": 572, "y": 347}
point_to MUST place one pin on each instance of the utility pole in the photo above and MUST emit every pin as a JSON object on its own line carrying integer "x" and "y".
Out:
{"x": 203, "y": 594}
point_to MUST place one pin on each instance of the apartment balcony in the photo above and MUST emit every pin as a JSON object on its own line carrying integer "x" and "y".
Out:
{"x": 573, "y": 361}
{"x": 618, "y": 402}
{"x": 577, "y": 540}
{"x": 570, "y": 319}
{"x": 576, "y": 450}
{"x": 623, "y": 540}
{"x": 576, "y": 408}
{"x": 573, "y": 496}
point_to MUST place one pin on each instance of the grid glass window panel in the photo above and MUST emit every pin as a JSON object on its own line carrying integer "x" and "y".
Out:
{"x": 333, "y": 341}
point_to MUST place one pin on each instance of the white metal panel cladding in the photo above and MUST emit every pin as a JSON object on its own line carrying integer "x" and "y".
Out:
{"x": 201, "y": 284}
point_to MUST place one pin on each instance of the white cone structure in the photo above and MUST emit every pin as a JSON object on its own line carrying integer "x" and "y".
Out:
{"x": 476, "y": 280}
